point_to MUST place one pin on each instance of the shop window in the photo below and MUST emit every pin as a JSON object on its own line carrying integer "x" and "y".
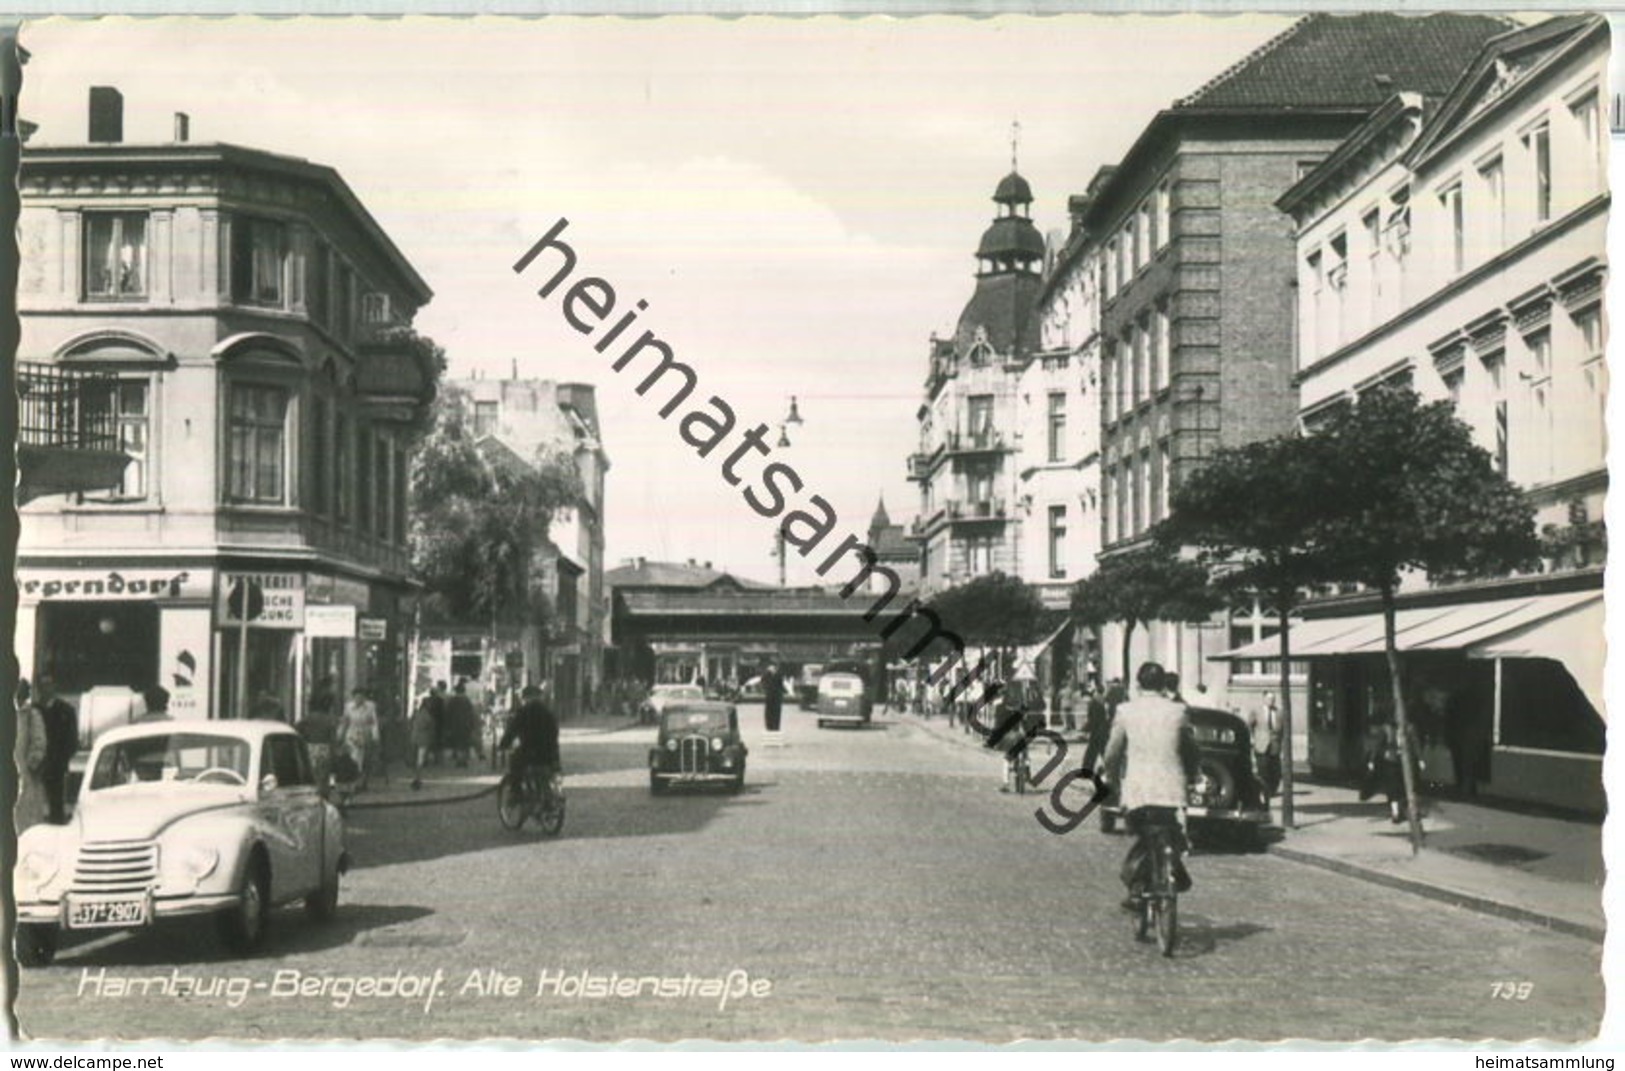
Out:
{"x": 115, "y": 255}
{"x": 98, "y": 643}
{"x": 1542, "y": 707}
{"x": 256, "y": 446}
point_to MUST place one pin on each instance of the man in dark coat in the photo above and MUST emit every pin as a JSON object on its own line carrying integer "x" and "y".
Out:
{"x": 61, "y": 741}
{"x": 773, "y": 696}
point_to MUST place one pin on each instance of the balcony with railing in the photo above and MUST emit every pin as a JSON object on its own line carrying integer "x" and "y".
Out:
{"x": 67, "y": 431}
{"x": 974, "y": 510}
{"x": 978, "y": 441}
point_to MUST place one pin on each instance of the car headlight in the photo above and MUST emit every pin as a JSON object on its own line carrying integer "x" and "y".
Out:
{"x": 37, "y": 868}
{"x": 197, "y": 862}
{"x": 671, "y": 745}
{"x": 716, "y": 743}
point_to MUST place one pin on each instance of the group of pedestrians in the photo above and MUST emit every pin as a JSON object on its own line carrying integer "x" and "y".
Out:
{"x": 445, "y": 726}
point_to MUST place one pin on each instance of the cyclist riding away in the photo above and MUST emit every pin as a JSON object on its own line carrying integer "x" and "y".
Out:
{"x": 1152, "y": 757}
{"x": 536, "y": 730}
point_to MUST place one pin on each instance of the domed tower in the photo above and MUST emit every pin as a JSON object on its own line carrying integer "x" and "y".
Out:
{"x": 1008, "y": 259}
{"x": 1012, "y": 243}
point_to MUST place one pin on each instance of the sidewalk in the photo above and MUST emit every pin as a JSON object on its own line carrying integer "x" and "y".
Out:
{"x": 1548, "y": 871}
{"x": 449, "y": 783}
{"x": 1540, "y": 870}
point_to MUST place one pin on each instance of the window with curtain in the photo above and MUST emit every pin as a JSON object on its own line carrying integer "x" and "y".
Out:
{"x": 256, "y": 447}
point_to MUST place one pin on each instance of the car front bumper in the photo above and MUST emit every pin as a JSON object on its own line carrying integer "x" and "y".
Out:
{"x": 54, "y": 912}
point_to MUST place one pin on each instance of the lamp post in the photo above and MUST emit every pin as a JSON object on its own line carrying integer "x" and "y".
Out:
{"x": 779, "y": 546}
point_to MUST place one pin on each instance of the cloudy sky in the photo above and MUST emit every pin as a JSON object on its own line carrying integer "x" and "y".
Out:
{"x": 796, "y": 199}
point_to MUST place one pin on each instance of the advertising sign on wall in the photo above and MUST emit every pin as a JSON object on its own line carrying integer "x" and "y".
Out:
{"x": 267, "y": 600}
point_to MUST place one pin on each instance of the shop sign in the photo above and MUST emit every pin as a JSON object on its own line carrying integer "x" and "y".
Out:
{"x": 64, "y": 585}
{"x": 373, "y": 629}
{"x": 265, "y": 600}
{"x": 330, "y": 622}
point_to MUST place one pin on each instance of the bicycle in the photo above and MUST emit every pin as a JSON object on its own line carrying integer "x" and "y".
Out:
{"x": 522, "y": 797}
{"x": 1158, "y": 905}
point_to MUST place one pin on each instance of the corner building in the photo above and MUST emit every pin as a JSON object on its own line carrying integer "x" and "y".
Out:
{"x": 253, "y": 314}
{"x": 968, "y": 523}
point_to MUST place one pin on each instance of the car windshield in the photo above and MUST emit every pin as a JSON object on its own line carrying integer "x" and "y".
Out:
{"x": 689, "y": 721}
{"x": 840, "y": 686}
{"x": 680, "y": 691}
{"x": 174, "y": 757}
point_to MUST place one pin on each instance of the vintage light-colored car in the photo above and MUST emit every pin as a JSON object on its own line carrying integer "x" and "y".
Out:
{"x": 664, "y": 696}
{"x": 178, "y": 819}
{"x": 842, "y": 700}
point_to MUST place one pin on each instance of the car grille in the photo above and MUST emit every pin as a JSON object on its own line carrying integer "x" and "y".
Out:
{"x": 693, "y": 752}
{"x": 115, "y": 867}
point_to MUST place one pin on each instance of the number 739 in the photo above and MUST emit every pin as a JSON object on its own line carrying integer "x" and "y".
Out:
{"x": 1512, "y": 990}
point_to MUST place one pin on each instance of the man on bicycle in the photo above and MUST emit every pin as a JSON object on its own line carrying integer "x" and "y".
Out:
{"x": 536, "y": 730}
{"x": 1152, "y": 757}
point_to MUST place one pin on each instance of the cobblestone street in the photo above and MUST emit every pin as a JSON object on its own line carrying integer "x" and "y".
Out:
{"x": 876, "y": 879}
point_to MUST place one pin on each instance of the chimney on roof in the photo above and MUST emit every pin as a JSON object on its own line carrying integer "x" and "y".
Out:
{"x": 708, "y": 565}
{"x": 640, "y": 563}
{"x": 692, "y": 564}
{"x": 183, "y": 127}
{"x": 515, "y": 366}
{"x": 106, "y": 114}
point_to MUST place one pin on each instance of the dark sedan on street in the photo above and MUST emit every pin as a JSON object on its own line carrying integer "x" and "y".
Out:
{"x": 699, "y": 743}
{"x": 1227, "y": 799}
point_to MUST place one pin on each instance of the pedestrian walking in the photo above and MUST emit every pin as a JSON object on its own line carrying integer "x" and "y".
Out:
{"x": 61, "y": 723}
{"x": 359, "y": 733}
{"x": 426, "y": 731}
{"x": 1097, "y": 726}
{"x": 1385, "y": 767}
{"x": 1467, "y": 737}
{"x": 31, "y": 808}
{"x": 773, "y": 703}
{"x": 461, "y": 727}
{"x": 1265, "y": 726}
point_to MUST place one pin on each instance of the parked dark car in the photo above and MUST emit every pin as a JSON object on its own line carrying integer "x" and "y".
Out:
{"x": 699, "y": 743}
{"x": 1228, "y": 797}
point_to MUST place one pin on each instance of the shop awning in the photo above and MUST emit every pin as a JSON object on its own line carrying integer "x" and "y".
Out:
{"x": 1573, "y": 636}
{"x": 1567, "y": 627}
{"x": 1433, "y": 628}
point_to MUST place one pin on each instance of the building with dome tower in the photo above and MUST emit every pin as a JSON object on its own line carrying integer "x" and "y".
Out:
{"x": 965, "y": 464}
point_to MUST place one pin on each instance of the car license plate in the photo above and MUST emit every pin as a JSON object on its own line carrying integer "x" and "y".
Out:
{"x": 840, "y": 702}
{"x": 91, "y": 914}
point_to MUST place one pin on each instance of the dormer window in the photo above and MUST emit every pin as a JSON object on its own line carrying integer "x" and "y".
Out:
{"x": 116, "y": 255}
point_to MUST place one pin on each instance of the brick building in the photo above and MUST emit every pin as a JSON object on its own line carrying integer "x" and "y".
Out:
{"x": 1196, "y": 269}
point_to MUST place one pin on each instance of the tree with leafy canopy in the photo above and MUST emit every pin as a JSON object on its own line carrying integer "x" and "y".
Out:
{"x": 1414, "y": 492}
{"x": 993, "y": 611}
{"x": 480, "y": 521}
{"x": 1136, "y": 587}
{"x": 1253, "y": 512}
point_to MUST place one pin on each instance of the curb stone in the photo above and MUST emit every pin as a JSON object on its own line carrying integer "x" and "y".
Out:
{"x": 1469, "y": 901}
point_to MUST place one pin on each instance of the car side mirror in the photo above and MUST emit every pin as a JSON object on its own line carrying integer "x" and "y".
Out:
{"x": 268, "y": 783}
